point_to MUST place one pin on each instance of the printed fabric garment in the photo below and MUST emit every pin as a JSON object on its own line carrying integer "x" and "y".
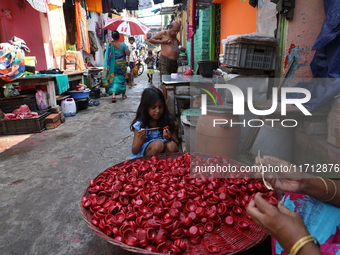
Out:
{"x": 118, "y": 5}
{"x": 77, "y": 58}
{"x": 322, "y": 221}
{"x": 131, "y": 5}
{"x": 115, "y": 68}
{"x": 12, "y": 58}
{"x": 145, "y": 4}
{"x": 150, "y": 61}
{"x": 57, "y": 29}
{"x": 93, "y": 42}
{"x": 83, "y": 41}
{"x": 167, "y": 66}
{"x": 151, "y": 135}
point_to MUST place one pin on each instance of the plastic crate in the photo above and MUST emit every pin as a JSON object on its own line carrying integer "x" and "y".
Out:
{"x": 24, "y": 126}
{"x": 8, "y": 105}
{"x": 252, "y": 56}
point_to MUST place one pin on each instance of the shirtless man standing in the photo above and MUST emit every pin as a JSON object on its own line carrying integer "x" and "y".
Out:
{"x": 170, "y": 48}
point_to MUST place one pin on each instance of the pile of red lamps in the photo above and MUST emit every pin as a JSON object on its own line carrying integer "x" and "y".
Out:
{"x": 154, "y": 204}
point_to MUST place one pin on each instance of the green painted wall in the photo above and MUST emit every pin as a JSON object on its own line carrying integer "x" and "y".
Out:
{"x": 201, "y": 38}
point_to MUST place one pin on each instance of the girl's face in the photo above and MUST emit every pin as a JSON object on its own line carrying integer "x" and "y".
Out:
{"x": 156, "y": 110}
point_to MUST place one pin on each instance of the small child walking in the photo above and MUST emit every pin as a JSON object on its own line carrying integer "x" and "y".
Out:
{"x": 150, "y": 62}
{"x": 153, "y": 127}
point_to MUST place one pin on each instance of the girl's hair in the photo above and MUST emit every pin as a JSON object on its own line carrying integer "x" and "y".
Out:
{"x": 149, "y": 97}
{"x": 115, "y": 35}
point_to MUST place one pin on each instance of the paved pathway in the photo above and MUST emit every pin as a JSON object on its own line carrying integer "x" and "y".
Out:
{"x": 42, "y": 178}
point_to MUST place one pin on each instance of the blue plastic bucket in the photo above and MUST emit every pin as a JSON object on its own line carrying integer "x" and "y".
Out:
{"x": 79, "y": 94}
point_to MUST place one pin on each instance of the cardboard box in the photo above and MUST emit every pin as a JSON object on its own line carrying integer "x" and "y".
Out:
{"x": 334, "y": 123}
{"x": 52, "y": 118}
{"x": 53, "y": 125}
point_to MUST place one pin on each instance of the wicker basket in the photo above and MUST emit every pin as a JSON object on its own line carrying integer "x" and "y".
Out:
{"x": 229, "y": 240}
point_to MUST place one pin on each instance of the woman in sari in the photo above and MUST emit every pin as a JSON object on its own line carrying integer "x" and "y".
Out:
{"x": 115, "y": 66}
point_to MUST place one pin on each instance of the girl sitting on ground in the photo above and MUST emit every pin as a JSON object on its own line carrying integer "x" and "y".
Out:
{"x": 153, "y": 127}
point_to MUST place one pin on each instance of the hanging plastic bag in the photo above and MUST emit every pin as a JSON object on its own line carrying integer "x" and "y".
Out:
{"x": 40, "y": 96}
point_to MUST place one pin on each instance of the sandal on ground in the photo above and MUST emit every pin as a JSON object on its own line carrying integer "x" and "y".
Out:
{"x": 124, "y": 97}
{"x": 114, "y": 100}
{"x": 91, "y": 103}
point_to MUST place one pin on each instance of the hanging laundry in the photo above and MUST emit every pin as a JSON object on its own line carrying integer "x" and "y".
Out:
{"x": 145, "y": 4}
{"x": 55, "y": 2}
{"x": 106, "y": 6}
{"x": 95, "y": 5}
{"x": 158, "y": 1}
{"x": 93, "y": 44}
{"x": 118, "y": 5}
{"x": 70, "y": 21}
{"x": 39, "y": 5}
{"x": 12, "y": 58}
{"x": 131, "y": 5}
{"x": 83, "y": 42}
{"x": 57, "y": 29}
{"x": 69, "y": 3}
{"x": 103, "y": 17}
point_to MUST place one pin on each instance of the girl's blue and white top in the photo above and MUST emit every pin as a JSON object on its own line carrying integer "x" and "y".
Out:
{"x": 151, "y": 136}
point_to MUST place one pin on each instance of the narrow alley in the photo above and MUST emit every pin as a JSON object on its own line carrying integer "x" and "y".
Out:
{"x": 43, "y": 176}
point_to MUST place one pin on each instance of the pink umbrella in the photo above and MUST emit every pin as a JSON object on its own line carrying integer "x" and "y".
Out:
{"x": 128, "y": 26}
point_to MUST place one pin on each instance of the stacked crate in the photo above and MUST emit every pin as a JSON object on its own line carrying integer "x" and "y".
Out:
{"x": 55, "y": 119}
{"x": 247, "y": 52}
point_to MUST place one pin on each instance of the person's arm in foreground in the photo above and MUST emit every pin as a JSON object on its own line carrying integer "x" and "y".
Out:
{"x": 281, "y": 223}
{"x": 298, "y": 182}
{"x": 286, "y": 226}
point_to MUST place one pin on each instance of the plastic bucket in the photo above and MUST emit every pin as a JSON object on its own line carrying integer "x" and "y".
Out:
{"x": 221, "y": 139}
{"x": 68, "y": 106}
{"x": 189, "y": 118}
{"x": 79, "y": 94}
{"x": 206, "y": 68}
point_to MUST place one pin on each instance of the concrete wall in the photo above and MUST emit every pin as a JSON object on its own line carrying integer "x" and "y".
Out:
{"x": 99, "y": 56}
{"x": 237, "y": 17}
{"x": 266, "y": 18}
{"x": 301, "y": 34}
{"x": 26, "y": 25}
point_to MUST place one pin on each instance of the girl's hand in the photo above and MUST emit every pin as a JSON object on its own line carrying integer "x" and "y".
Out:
{"x": 282, "y": 180}
{"x": 141, "y": 134}
{"x": 284, "y": 225}
{"x": 167, "y": 134}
